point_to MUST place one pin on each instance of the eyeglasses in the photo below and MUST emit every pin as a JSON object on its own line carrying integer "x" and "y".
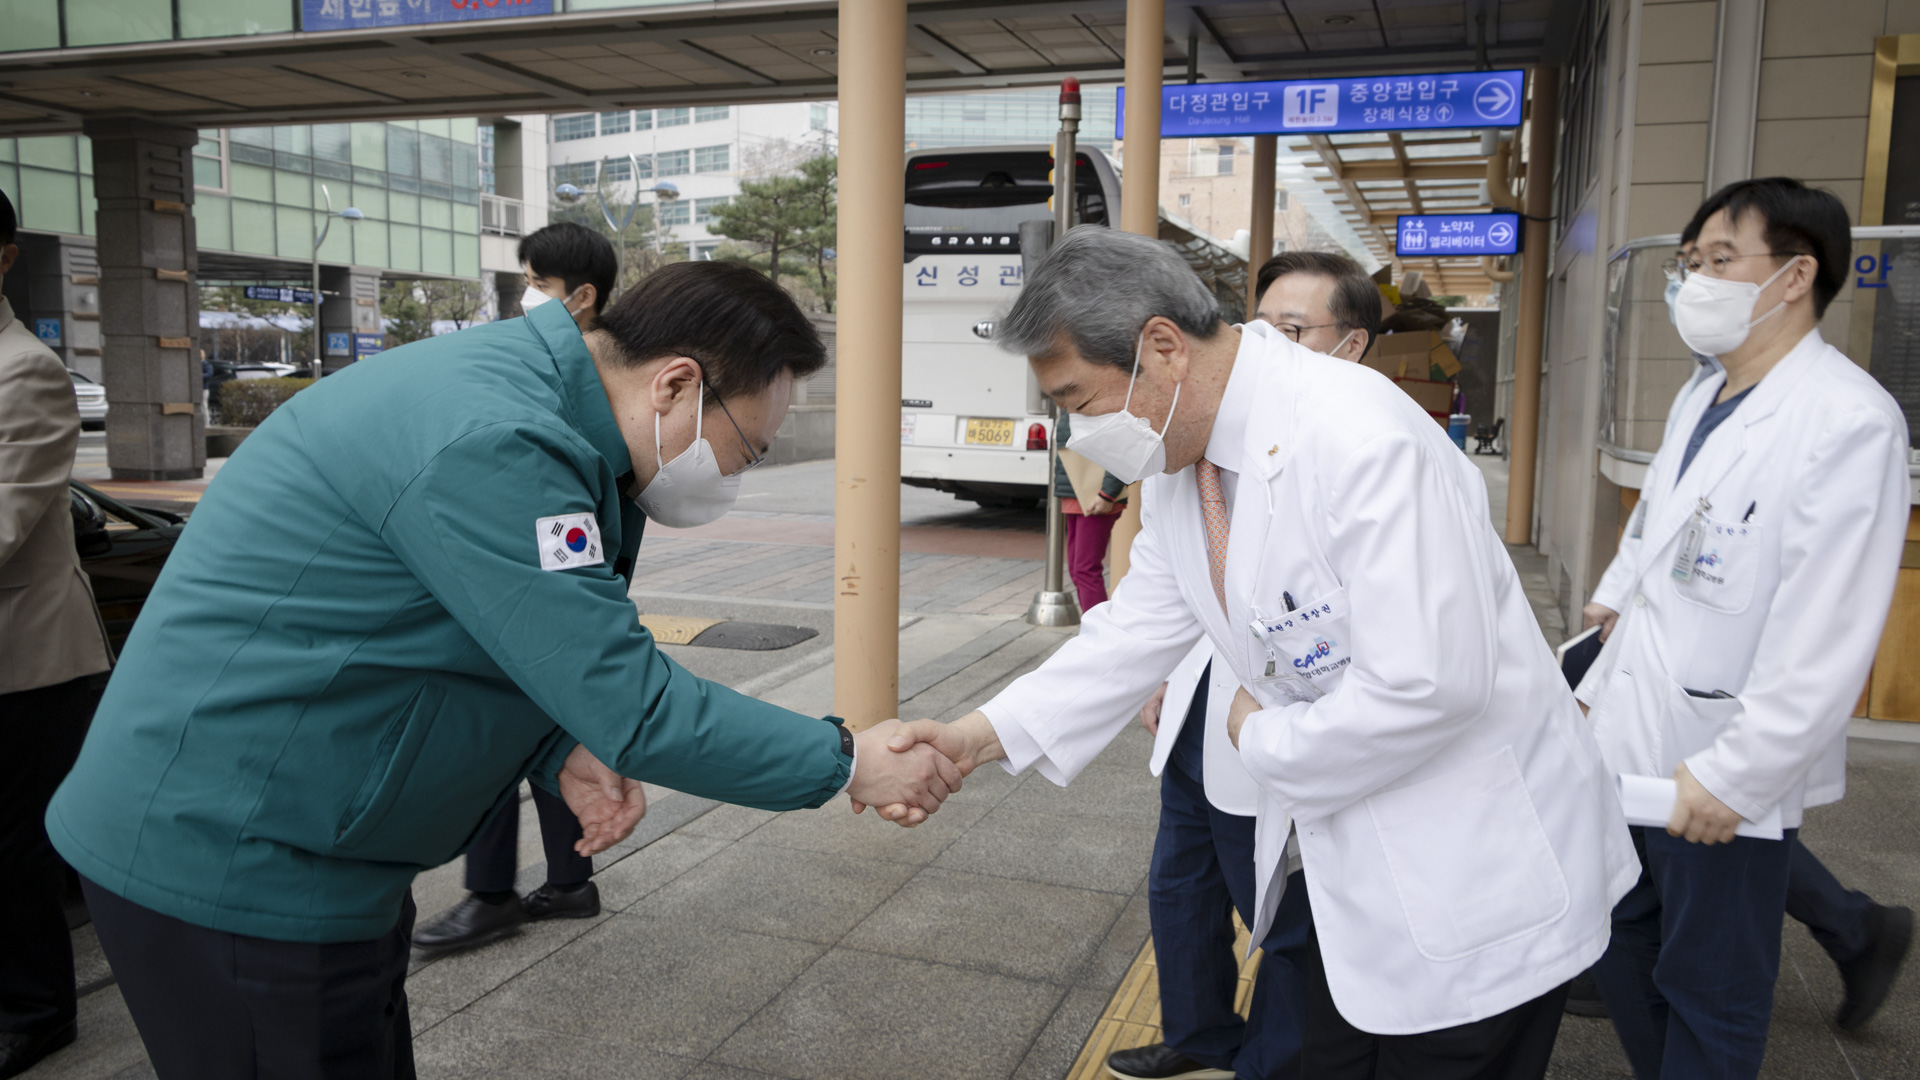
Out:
{"x": 1678, "y": 267}
{"x": 1294, "y": 330}
{"x": 754, "y": 460}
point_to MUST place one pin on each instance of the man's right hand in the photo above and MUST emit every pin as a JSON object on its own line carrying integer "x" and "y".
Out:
{"x": 909, "y": 784}
{"x": 1150, "y": 712}
{"x": 1601, "y": 616}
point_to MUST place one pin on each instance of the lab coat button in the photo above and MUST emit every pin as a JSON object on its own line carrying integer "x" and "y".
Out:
{"x": 1640, "y": 600}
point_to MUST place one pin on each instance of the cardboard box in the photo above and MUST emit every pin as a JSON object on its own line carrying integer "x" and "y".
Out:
{"x": 1412, "y": 355}
{"x": 1434, "y": 397}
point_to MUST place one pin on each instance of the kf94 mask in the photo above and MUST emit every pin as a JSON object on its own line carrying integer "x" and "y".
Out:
{"x": 688, "y": 490}
{"x": 1120, "y": 442}
{"x": 1714, "y": 315}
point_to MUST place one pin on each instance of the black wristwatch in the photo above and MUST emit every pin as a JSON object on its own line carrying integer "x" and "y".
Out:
{"x": 846, "y": 737}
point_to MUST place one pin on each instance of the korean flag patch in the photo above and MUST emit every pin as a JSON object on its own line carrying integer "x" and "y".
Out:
{"x": 569, "y": 541}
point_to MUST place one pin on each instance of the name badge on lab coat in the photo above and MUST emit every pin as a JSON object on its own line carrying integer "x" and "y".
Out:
{"x": 1300, "y": 655}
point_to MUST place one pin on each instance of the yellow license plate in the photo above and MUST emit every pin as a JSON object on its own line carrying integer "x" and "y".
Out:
{"x": 989, "y": 432}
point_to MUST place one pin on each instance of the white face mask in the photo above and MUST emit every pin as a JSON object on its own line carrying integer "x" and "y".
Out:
{"x": 688, "y": 490}
{"x": 1335, "y": 351}
{"x": 1120, "y": 442}
{"x": 1714, "y": 315}
{"x": 533, "y": 298}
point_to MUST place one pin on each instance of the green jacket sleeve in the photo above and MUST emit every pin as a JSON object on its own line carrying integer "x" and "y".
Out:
{"x": 466, "y": 527}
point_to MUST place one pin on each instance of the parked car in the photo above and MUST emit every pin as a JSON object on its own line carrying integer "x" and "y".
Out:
{"x": 122, "y": 548}
{"x": 226, "y": 371}
{"x": 92, "y": 398}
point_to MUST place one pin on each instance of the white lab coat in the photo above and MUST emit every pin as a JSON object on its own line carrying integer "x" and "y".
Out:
{"x": 1785, "y": 609}
{"x": 1229, "y": 787}
{"x": 1462, "y": 842}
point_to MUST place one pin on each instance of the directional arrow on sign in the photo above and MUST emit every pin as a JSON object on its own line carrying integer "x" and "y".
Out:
{"x": 1500, "y": 234}
{"x": 1493, "y": 100}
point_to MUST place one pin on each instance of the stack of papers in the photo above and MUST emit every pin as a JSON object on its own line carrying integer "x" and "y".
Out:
{"x": 1648, "y": 800}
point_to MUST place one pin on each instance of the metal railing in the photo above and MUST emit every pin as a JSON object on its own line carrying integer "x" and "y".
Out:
{"x": 502, "y": 216}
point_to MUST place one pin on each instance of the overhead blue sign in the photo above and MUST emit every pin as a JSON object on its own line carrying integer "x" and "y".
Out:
{"x": 274, "y": 292}
{"x": 47, "y": 330}
{"x": 1458, "y": 234}
{"x": 1461, "y": 99}
{"x": 367, "y": 14}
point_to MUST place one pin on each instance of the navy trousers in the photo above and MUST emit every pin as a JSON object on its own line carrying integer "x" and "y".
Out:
{"x": 1833, "y": 913}
{"x": 1688, "y": 978}
{"x": 1202, "y": 872}
{"x": 495, "y": 853}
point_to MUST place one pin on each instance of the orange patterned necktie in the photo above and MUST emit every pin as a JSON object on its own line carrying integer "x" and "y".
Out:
{"x": 1213, "y": 514}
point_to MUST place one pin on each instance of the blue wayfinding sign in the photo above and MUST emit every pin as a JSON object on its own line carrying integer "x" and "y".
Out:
{"x": 274, "y": 292}
{"x": 339, "y": 343}
{"x": 366, "y": 14}
{"x": 1461, "y": 99}
{"x": 47, "y": 330}
{"x": 368, "y": 344}
{"x": 1458, "y": 234}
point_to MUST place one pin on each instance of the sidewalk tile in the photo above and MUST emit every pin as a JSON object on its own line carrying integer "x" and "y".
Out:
{"x": 453, "y": 982}
{"x": 678, "y": 986}
{"x": 1030, "y": 931}
{"x": 862, "y": 1016}
{"x": 774, "y": 890}
{"x": 1078, "y": 852}
{"x": 728, "y": 822}
{"x": 1112, "y": 787}
{"x": 834, "y": 830}
{"x": 653, "y": 866}
{"x": 711, "y": 1071}
{"x": 469, "y": 1048}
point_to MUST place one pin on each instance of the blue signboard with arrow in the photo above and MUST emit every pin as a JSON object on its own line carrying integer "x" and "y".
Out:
{"x": 1461, "y": 99}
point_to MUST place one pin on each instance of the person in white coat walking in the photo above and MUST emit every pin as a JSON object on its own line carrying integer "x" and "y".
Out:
{"x": 1752, "y": 583}
{"x": 1462, "y": 844}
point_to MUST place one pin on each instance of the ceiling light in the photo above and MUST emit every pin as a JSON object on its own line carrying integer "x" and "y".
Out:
{"x": 1338, "y": 20}
{"x": 823, "y": 51}
{"x": 89, "y": 93}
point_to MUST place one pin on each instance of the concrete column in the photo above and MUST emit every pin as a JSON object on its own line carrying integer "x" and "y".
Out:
{"x": 149, "y": 298}
{"x": 1139, "y": 194}
{"x": 1529, "y": 335}
{"x": 1266, "y": 160}
{"x": 866, "y": 540}
{"x": 58, "y": 277}
{"x": 350, "y": 305}
{"x": 1736, "y": 92}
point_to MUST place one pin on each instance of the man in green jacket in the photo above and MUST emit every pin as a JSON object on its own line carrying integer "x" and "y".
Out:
{"x": 404, "y": 594}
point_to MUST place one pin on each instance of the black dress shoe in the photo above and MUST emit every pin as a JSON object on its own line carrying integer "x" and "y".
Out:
{"x": 1870, "y": 975}
{"x": 470, "y": 923}
{"x": 552, "y": 901}
{"x": 1583, "y": 996}
{"x": 21, "y": 1050}
{"x": 1157, "y": 1062}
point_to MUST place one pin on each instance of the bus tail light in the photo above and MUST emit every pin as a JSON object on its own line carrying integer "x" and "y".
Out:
{"x": 1037, "y": 437}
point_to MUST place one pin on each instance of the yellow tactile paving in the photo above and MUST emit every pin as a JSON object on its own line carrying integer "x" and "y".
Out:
{"x": 137, "y": 492}
{"x": 1132, "y": 1018}
{"x": 676, "y": 629}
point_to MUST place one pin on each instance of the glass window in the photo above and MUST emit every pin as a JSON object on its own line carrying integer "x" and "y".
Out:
{"x": 703, "y": 208}
{"x": 436, "y": 159}
{"x": 1226, "y": 159}
{"x": 705, "y": 113}
{"x": 31, "y": 24}
{"x": 993, "y": 191}
{"x": 643, "y": 120}
{"x": 645, "y": 165}
{"x": 704, "y": 252}
{"x": 370, "y": 146}
{"x": 403, "y": 151}
{"x": 671, "y": 163}
{"x": 615, "y": 123}
{"x": 1280, "y": 199}
{"x": 207, "y": 174}
{"x": 676, "y": 212}
{"x": 578, "y": 173}
{"x": 817, "y": 116}
{"x": 672, "y": 117}
{"x": 112, "y": 22}
{"x": 484, "y": 157}
{"x": 219, "y": 18}
{"x": 617, "y": 171}
{"x": 712, "y": 159}
{"x": 568, "y": 128}
{"x": 49, "y": 200}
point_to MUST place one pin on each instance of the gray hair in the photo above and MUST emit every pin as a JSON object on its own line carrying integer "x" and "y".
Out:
{"x": 1097, "y": 288}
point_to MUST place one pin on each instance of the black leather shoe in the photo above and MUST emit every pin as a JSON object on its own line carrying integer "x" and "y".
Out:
{"x": 1870, "y": 975}
{"x": 471, "y": 922}
{"x": 1156, "y": 1062}
{"x": 1583, "y": 996}
{"x": 552, "y": 902}
{"x": 21, "y": 1050}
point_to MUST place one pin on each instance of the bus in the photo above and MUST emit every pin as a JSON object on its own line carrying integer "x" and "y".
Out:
{"x": 972, "y": 419}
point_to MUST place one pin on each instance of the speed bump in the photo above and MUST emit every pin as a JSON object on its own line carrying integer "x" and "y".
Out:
{"x": 677, "y": 629}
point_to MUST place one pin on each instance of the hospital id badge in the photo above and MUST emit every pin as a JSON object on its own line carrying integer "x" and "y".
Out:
{"x": 1690, "y": 539}
{"x": 1302, "y": 652}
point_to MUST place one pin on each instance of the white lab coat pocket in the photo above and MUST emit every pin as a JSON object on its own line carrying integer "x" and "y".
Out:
{"x": 1724, "y": 569}
{"x": 1692, "y": 724}
{"x": 1469, "y": 857}
{"x": 1302, "y": 655}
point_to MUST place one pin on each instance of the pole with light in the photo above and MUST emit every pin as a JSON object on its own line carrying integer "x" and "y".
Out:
{"x": 352, "y": 214}
{"x": 662, "y": 192}
{"x": 1053, "y": 605}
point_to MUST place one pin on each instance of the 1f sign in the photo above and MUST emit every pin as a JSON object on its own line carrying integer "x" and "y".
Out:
{"x": 1312, "y": 105}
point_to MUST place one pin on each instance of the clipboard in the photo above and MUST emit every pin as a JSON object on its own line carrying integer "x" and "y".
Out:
{"x": 1577, "y": 654}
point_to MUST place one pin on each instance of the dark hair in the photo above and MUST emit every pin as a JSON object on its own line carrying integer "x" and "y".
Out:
{"x": 741, "y": 327}
{"x": 576, "y": 255}
{"x": 1355, "y": 302}
{"x": 1797, "y": 220}
{"x": 9, "y": 225}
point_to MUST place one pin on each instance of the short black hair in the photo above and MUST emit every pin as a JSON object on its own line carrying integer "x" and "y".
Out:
{"x": 1355, "y": 302}
{"x": 1797, "y": 220}
{"x": 9, "y": 225}
{"x": 574, "y": 254}
{"x": 742, "y": 328}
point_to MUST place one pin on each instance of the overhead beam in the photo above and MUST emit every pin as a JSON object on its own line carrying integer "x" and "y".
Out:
{"x": 1418, "y": 170}
{"x": 714, "y": 59}
{"x": 1330, "y": 155}
{"x": 932, "y": 44}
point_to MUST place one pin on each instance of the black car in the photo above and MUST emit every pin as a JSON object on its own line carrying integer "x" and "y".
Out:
{"x": 122, "y": 548}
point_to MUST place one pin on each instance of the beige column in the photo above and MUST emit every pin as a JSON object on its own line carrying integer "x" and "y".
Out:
{"x": 1266, "y": 159}
{"x": 866, "y": 532}
{"x": 1139, "y": 193}
{"x": 1543, "y": 124}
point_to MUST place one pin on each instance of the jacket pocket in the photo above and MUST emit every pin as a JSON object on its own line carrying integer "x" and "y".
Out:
{"x": 1691, "y": 724}
{"x": 1469, "y": 857}
{"x": 1725, "y": 569}
{"x": 1309, "y": 643}
{"x": 393, "y": 761}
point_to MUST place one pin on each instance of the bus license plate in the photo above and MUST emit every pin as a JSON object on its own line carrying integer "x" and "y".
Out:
{"x": 989, "y": 432}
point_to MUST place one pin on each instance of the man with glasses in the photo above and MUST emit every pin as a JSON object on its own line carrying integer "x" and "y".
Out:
{"x": 1322, "y": 300}
{"x": 1743, "y": 612}
{"x": 408, "y": 595}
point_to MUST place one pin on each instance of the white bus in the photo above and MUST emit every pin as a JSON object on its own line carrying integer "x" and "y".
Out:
{"x": 972, "y": 420}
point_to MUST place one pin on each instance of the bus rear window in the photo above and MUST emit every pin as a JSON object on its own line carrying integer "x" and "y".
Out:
{"x": 993, "y": 192}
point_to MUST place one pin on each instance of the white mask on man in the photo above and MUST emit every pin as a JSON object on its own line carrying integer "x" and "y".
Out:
{"x": 688, "y": 490}
{"x": 1120, "y": 442}
{"x": 533, "y": 298}
{"x": 1715, "y": 315}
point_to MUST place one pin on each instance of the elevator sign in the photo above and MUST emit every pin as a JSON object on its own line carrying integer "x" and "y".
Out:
{"x": 367, "y": 14}
{"x": 1458, "y": 234}
{"x": 1461, "y": 99}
